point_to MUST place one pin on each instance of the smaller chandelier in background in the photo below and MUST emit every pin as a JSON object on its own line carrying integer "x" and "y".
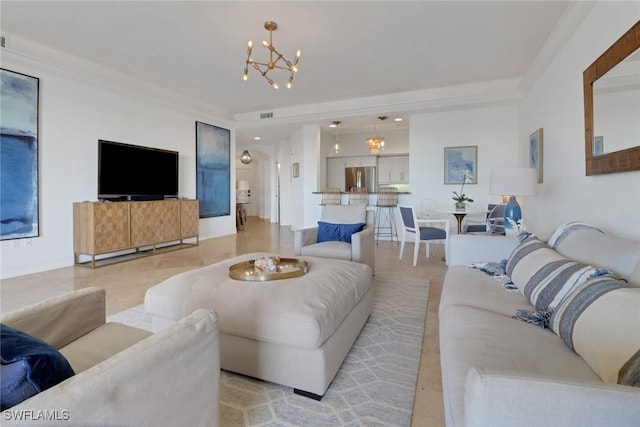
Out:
{"x": 376, "y": 143}
{"x": 276, "y": 60}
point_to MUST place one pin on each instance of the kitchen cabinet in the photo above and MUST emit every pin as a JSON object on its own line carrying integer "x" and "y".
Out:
{"x": 393, "y": 169}
{"x": 354, "y": 162}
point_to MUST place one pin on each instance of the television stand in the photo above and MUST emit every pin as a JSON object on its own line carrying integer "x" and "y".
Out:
{"x": 116, "y": 232}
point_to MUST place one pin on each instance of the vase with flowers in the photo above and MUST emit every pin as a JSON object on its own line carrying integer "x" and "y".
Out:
{"x": 461, "y": 198}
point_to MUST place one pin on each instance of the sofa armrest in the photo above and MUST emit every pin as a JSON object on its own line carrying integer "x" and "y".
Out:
{"x": 363, "y": 247}
{"x": 465, "y": 249}
{"x": 170, "y": 378}
{"x": 304, "y": 237}
{"x": 63, "y": 319}
{"x": 494, "y": 398}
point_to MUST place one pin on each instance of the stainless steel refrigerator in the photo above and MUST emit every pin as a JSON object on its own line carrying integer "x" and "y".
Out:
{"x": 360, "y": 177}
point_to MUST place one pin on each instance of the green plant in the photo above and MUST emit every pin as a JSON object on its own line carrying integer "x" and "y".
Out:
{"x": 461, "y": 197}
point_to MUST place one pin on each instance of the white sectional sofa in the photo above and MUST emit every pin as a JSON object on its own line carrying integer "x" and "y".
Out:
{"x": 498, "y": 370}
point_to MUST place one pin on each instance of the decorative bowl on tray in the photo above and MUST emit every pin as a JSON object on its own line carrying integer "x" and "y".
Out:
{"x": 268, "y": 268}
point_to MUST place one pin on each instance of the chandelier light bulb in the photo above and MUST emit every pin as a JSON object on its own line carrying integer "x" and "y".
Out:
{"x": 265, "y": 43}
{"x": 250, "y": 44}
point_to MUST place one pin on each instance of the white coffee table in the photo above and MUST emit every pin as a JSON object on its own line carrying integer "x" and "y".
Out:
{"x": 294, "y": 332}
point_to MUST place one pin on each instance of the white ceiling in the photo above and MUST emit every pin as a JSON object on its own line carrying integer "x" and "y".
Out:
{"x": 349, "y": 49}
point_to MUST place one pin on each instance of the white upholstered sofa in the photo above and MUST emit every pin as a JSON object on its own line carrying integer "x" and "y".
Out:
{"x": 498, "y": 370}
{"x": 123, "y": 375}
{"x": 362, "y": 246}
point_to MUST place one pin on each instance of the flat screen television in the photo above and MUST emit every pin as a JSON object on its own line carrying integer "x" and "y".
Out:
{"x": 133, "y": 172}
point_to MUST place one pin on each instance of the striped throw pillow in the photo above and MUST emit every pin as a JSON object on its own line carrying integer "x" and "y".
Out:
{"x": 600, "y": 320}
{"x": 544, "y": 276}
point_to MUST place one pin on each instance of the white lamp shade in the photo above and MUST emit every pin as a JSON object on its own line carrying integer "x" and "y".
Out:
{"x": 514, "y": 182}
{"x": 243, "y": 185}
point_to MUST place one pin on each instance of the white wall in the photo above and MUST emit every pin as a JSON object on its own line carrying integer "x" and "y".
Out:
{"x": 554, "y": 101}
{"x": 77, "y": 109}
{"x": 494, "y": 130}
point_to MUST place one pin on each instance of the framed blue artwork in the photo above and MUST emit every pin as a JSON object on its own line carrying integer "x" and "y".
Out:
{"x": 535, "y": 152}
{"x": 458, "y": 160}
{"x": 213, "y": 170}
{"x": 18, "y": 155}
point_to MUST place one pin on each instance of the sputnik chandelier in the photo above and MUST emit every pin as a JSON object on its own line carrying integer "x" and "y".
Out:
{"x": 376, "y": 143}
{"x": 276, "y": 60}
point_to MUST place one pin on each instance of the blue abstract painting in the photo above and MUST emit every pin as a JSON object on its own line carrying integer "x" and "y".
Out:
{"x": 457, "y": 160}
{"x": 213, "y": 170}
{"x": 18, "y": 155}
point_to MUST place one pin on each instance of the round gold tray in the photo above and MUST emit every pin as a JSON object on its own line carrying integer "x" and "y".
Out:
{"x": 287, "y": 268}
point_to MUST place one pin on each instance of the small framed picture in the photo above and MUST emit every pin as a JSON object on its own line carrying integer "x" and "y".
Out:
{"x": 296, "y": 170}
{"x": 535, "y": 152}
{"x": 460, "y": 162}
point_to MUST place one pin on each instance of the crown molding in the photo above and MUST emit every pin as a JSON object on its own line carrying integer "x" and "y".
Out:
{"x": 22, "y": 53}
{"x": 461, "y": 96}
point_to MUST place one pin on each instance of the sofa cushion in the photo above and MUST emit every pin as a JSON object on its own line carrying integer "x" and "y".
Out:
{"x": 474, "y": 337}
{"x": 29, "y": 366}
{"x": 600, "y": 321}
{"x": 328, "y": 232}
{"x": 543, "y": 275}
{"x": 336, "y": 250}
{"x": 101, "y": 344}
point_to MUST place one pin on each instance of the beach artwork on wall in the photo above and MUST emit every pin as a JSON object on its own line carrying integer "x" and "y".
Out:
{"x": 18, "y": 155}
{"x": 457, "y": 161}
{"x": 213, "y": 170}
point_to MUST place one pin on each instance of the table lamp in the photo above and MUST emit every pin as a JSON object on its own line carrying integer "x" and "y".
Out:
{"x": 512, "y": 182}
{"x": 243, "y": 191}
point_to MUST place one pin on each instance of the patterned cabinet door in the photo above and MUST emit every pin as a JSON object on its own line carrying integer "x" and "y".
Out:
{"x": 189, "y": 218}
{"x": 143, "y": 223}
{"x": 168, "y": 220}
{"x": 110, "y": 226}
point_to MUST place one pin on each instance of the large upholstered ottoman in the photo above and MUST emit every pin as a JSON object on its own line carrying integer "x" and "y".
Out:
{"x": 294, "y": 332}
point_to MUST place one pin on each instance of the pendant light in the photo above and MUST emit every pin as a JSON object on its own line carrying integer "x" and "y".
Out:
{"x": 246, "y": 157}
{"x": 336, "y": 149}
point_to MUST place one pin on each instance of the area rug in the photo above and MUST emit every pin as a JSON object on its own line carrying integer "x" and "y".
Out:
{"x": 375, "y": 385}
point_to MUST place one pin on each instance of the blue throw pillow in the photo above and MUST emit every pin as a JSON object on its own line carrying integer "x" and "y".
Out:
{"x": 28, "y": 366}
{"x": 328, "y": 232}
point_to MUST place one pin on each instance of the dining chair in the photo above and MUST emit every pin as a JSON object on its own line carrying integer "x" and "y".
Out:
{"x": 424, "y": 230}
{"x": 493, "y": 223}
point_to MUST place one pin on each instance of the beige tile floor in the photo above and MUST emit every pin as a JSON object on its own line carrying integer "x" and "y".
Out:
{"x": 127, "y": 282}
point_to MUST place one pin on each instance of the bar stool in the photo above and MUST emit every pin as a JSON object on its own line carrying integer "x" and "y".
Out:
{"x": 331, "y": 196}
{"x": 386, "y": 203}
{"x": 359, "y": 196}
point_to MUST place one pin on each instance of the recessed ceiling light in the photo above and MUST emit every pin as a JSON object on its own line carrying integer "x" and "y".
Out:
{"x": 257, "y": 138}
{"x": 397, "y": 119}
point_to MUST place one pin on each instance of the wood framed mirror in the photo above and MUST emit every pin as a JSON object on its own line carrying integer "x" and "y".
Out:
{"x": 599, "y": 159}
